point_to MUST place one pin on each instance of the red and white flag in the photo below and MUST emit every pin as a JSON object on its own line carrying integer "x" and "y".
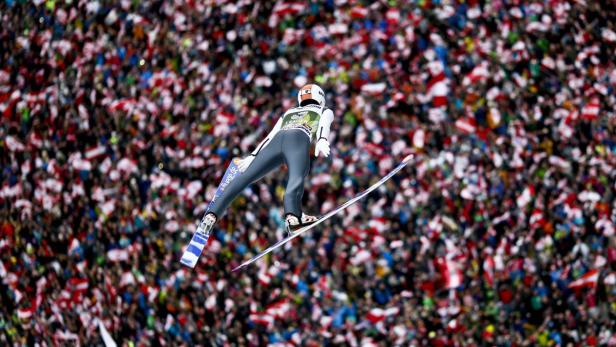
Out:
{"x": 82, "y": 165}
{"x": 438, "y": 93}
{"x": 338, "y": 28}
{"x": 393, "y": 15}
{"x": 361, "y": 257}
{"x": 279, "y": 309}
{"x": 64, "y": 299}
{"x": 591, "y": 110}
{"x": 125, "y": 105}
{"x": 588, "y": 280}
{"x": 437, "y": 87}
{"x": 25, "y": 313}
{"x": 479, "y": 73}
{"x": 127, "y": 166}
{"x": 261, "y": 318}
{"x": 536, "y": 219}
{"x": 373, "y": 88}
{"x": 452, "y": 274}
{"x": 375, "y": 315}
{"x": 379, "y": 224}
{"x": 359, "y": 12}
{"x": 264, "y": 278}
{"x": 78, "y": 285}
{"x": 283, "y": 8}
{"x": 374, "y": 149}
{"x": 466, "y": 125}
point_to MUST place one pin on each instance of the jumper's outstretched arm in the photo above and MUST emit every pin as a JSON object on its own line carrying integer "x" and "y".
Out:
{"x": 322, "y": 146}
{"x": 324, "y": 124}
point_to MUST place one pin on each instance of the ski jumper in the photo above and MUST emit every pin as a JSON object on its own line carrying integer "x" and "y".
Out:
{"x": 289, "y": 143}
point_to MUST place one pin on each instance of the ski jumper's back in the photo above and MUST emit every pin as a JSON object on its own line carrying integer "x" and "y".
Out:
{"x": 304, "y": 118}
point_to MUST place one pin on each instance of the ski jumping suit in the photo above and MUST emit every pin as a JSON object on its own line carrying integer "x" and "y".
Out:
{"x": 289, "y": 142}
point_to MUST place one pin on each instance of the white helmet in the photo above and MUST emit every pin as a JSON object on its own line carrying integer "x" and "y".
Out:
{"x": 311, "y": 92}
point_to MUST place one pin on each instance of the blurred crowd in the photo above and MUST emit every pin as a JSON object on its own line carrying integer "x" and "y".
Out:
{"x": 119, "y": 118}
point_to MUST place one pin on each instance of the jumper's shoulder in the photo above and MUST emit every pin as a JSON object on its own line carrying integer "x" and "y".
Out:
{"x": 327, "y": 115}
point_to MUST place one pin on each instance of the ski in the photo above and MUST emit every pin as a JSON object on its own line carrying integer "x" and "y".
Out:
{"x": 328, "y": 214}
{"x": 200, "y": 236}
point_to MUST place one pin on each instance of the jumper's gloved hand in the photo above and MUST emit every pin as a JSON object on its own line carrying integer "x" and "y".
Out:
{"x": 244, "y": 163}
{"x": 322, "y": 147}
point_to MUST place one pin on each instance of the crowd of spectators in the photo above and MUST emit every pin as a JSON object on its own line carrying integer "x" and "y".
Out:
{"x": 118, "y": 119}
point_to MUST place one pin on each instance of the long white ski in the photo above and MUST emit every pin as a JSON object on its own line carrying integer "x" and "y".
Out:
{"x": 328, "y": 214}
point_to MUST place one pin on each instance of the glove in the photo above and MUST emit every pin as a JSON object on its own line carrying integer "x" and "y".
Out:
{"x": 244, "y": 163}
{"x": 322, "y": 147}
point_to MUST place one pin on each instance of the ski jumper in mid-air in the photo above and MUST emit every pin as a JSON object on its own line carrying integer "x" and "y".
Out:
{"x": 289, "y": 143}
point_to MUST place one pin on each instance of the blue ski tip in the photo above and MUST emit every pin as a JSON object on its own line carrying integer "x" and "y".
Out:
{"x": 190, "y": 259}
{"x": 188, "y": 263}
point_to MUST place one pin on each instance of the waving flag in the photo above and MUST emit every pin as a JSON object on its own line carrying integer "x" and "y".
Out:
{"x": 466, "y": 125}
{"x": 591, "y": 110}
{"x": 588, "y": 280}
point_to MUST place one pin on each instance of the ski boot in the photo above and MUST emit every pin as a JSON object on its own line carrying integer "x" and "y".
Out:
{"x": 294, "y": 224}
{"x": 206, "y": 224}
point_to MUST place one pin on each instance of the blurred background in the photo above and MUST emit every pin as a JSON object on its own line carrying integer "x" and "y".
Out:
{"x": 119, "y": 118}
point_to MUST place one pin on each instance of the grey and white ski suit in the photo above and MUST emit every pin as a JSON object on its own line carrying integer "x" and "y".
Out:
{"x": 288, "y": 143}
